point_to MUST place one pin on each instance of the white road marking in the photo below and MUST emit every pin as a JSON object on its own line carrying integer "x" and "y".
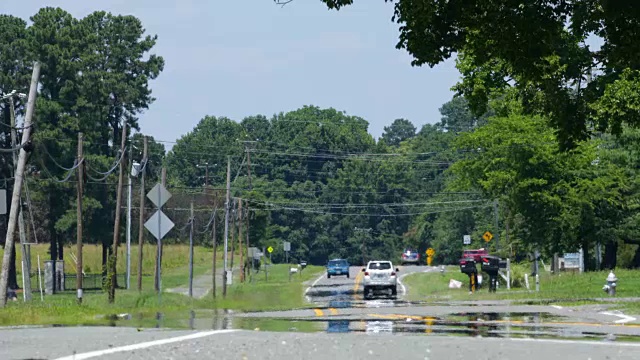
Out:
{"x": 556, "y": 306}
{"x": 404, "y": 289}
{"x": 625, "y": 318}
{"x": 144, "y": 345}
{"x": 575, "y": 342}
{"x": 312, "y": 285}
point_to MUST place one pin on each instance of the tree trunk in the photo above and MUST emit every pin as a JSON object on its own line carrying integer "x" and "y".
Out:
{"x": 587, "y": 259}
{"x": 610, "y": 255}
{"x": 53, "y": 247}
{"x": 105, "y": 257}
{"x": 12, "y": 282}
{"x": 636, "y": 259}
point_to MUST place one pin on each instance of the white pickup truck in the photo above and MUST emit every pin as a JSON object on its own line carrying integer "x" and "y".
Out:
{"x": 380, "y": 275}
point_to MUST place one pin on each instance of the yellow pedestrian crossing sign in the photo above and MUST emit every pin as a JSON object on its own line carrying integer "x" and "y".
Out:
{"x": 270, "y": 249}
{"x": 430, "y": 252}
{"x": 487, "y": 236}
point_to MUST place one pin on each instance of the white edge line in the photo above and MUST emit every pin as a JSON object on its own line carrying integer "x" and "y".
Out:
{"x": 556, "y": 307}
{"x": 404, "y": 289}
{"x": 625, "y": 318}
{"x": 581, "y": 342}
{"x": 312, "y": 285}
{"x": 143, "y": 345}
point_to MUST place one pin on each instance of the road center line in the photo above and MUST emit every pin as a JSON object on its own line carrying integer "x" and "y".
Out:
{"x": 357, "y": 283}
{"x": 318, "y": 312}
{"x": 144, "y": 345}
{"x": 333, "y": 311}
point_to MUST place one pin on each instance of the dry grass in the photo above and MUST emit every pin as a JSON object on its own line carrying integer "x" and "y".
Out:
{"x": 174, "y": 256}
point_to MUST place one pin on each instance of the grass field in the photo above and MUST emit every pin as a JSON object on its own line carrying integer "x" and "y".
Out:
{"x": 173, "y": 256}
{"x": 566, "y": 286}
{"x": 275, "y": 293}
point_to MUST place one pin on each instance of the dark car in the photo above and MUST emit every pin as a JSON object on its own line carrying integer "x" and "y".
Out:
{"x": 337, "y": 267}
{"x": 410, "y": 256}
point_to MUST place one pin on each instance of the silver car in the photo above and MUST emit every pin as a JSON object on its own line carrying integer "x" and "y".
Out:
{"x": 379, "y": 275}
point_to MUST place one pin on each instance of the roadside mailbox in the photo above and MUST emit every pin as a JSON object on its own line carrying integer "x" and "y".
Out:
{"x": 491, "y": 265}
{"x": 468, "y": 266}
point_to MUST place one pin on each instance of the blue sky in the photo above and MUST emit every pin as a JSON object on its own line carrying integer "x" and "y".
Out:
{"x": 238, "y": 58}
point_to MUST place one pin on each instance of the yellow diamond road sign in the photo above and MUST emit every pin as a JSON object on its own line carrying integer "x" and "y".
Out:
{"x": 430, "y": 252}
{"x": 487, "y": 236}
{"x": 270, "y": 249}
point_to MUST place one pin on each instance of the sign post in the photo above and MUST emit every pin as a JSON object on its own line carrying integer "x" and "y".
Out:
{"x": 159, "y": 225}
{"x": 430, "y": 252}
{"x": 287, "y": 247}
{"x": 270, "y": 250}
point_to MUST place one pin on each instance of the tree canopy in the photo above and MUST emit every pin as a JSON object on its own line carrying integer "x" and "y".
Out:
{"x": 539, "y": 48}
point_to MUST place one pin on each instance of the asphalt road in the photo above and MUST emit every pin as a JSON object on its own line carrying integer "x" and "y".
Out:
{"x": 125, "y": 343}
{"x": 343, "y": 325}
{"x": 343, "y": 292}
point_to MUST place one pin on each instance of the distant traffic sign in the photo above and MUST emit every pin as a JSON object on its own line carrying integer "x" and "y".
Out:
{"x": 159, "y": 195}
{"x": 287, "y": 246}
{"x": 466, "y": 240}
{"x": 487, "y": 236}
{"x": 270, "y": 249}
{"x": 159, "y": 224}
{"x": 430, "y": 252}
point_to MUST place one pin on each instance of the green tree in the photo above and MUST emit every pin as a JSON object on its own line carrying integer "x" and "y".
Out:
{"x": 399, "y": 131}
{"x": 498, "y": 44}
{"x": 95, "y": 77}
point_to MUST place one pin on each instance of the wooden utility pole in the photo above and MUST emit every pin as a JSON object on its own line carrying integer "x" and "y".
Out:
{"x": 191, "y": 221}
{"x": 141, "y": 220}
{"x": 250, "y": 261}
{"x": 240, "y": 240}
{"x": 17, "y": 187}
{"x": 25, "y": 249}
{"x": 116, "y": 225}
{"x": 215, "y": 243}
{"x": 226, "y": 227}
{"x": 233, "y": 232}
{"x": 163, "y": 181}
{"x": 79, "y": 189}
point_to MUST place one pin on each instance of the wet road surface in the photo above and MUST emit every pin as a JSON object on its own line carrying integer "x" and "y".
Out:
{"x": 341, "y": 324}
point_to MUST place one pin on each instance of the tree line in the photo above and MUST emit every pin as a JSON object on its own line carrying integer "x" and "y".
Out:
{"x": 547, "y": 135}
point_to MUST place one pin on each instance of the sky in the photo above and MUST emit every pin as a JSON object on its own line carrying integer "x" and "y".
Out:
{"x": 239, "y": 58}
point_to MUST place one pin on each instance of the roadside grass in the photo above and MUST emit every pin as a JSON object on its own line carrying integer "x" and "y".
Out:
{"x": 275, "y": 294}
{"x": 565, "y": 287}
{"x": 174, "y": 256}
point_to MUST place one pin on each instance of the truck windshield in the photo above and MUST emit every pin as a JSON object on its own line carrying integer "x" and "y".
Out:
{"x": 380, "y": 266}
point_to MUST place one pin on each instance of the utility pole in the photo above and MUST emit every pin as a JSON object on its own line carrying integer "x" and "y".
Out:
{"x": 17, "y": 187}
{"x": 233, "y": 215}
{"x": 495, "y": 223}
{"x": 163, "y": 181}
{"x": 25, "y": 249}
{"x": 130, "y": 168}
{"x": 141, "y": 220}
{"x": 215, "y": 243}
{"x": 191, "y": 218}
{"x": 249, "y": 261}
{"x": 116, "y": 225}
{"x": 248, "y": 210}
{"x": 79, "y": 170}
{"x": 226, "y": 227}
{"x": 240, "y": 240}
